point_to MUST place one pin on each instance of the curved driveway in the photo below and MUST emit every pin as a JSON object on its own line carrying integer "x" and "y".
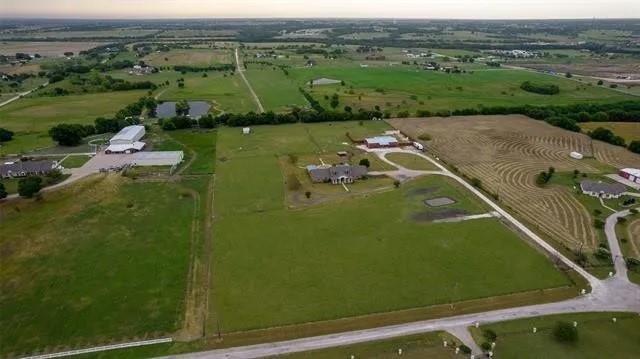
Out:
{"x": 612, "y": 294}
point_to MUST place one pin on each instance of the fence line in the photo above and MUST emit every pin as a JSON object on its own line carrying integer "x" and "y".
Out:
{"x": 101, "y": 348}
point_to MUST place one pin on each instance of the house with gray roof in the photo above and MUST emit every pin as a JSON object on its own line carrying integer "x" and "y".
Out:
{"x": 602, "y": 189}
{"x": 26, "y": 168}
{"x": 336, "y": 174}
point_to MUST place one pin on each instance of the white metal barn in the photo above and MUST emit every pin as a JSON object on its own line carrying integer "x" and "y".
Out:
{"x": 127, "y": 140}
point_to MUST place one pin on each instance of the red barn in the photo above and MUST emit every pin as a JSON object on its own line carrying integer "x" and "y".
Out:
{"x": 632, "y": 174}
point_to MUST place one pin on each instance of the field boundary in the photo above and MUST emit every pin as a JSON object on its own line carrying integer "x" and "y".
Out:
{"x": 101, "y": 348}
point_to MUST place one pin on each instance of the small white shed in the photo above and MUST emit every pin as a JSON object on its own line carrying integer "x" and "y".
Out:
{"x": 576, "y": 155}
{"x": 246, "y": 130}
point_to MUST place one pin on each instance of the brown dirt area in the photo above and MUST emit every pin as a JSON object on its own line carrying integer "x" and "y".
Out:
{"x": 507, "y": 152}
{"x": 48, "y": 48}
{"x": 597, "y": 69}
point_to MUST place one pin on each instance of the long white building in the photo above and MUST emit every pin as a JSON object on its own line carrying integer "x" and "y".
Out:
{"x": 127, "y": 140}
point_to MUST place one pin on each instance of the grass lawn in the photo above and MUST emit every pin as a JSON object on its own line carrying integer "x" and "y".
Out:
{"x": 276, "y": 91}
{"x": 190, "y": 57}
{"x": 227, "y": 92}
{"x": 202, "y": 145}
{"x": 275, "y": 266}
{"x": 598, "y": 337}
{"x": 123, "y": 275}
{"x": 440, "y": 91}
{"x": 628, "y": 130}
{"x": 75, "y": 161}
{"x": 427, "y": 346}
{"x": 411, "y": 162}
{"x": 30, "y": 118}
{"x": 10, "y": 185}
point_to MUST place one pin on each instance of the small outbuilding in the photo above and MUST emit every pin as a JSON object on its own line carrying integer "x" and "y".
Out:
{"x": 631, "y": 174}
{"x": 576, "y": 155}
{"x": 382, "y": 142}
{"x": 246, "y": 130}
{"x": 602, "y": 190}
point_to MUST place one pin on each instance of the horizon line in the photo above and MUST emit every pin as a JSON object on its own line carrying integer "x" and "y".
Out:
{"x": 18, "y": 17}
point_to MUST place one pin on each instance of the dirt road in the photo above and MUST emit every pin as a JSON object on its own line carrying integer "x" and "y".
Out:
{"x": 253, "y": 94}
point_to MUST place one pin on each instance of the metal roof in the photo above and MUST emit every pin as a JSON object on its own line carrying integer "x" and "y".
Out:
{"x": 382, "y": 140}
{"x": 122, "y": 148}
{"x": 128, "y": 133}
{"x": 632, "y": 171}
{"x": 602, "y": 187}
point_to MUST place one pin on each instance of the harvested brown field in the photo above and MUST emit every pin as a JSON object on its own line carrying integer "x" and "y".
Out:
{"x": 507, "y": 152}
{"x": 56, "y": 48}
{"x": 604, "y": 69}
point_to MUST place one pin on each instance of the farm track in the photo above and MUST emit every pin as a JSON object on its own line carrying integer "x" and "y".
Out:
{"x": 507, "y": 153}
{"x": 244, "y": 78}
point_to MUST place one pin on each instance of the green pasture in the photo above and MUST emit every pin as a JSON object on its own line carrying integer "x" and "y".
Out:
{"x": 227, "y": 92}
{"x": 277, "y": 92}
{"x": 422, "y": 346}
{"x": 392, "y": 88}
{"x": 276, "y": 266}
{"x": 121, "y": 277}
{"x": 30, "y": 118}
{"x": 598, "y": 337}
{"x": 411, "y": 162}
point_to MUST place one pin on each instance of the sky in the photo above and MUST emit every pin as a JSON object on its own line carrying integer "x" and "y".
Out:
{"x": 428, "y": 9}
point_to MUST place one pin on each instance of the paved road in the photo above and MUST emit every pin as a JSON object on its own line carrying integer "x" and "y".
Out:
{"x": 614, "y": 245}
{"x": 615, "y": 294}
{"x": 253, "y": 94}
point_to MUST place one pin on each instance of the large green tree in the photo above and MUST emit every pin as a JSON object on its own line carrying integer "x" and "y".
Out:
{"x": 30, "y": 186}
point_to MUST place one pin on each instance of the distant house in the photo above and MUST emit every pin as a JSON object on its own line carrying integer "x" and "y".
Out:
{"x": 26, "y": 168}
{"x": 632, "y": 174}
{"x": 139, "y": 70}
{"x": 337, "y": 174}
{"x": 127, "y": 140}
{"x": 381, "y": 142}
{"x": 601, "y": 189}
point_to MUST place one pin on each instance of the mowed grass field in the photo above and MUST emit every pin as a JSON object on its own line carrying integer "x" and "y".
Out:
{"x": 30, "y": 118}
{"x": 598, "y": 337}
{"x": 227, "y": 92}
{"x": 630, "y": 131}
{"x": 437, "y": 91}
{"x": 360, "y": 255}
{"x": 191, "y": 57}
{"x": 277, "y": 92}
{"x": 122, "y": 276}
{"x": 423, "y": 346}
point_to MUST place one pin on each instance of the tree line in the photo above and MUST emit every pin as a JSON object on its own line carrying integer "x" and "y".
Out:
{"x": 66, "y": 134}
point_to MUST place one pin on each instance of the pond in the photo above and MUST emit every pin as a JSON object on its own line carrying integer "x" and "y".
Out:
{"x": 197, "y": 109}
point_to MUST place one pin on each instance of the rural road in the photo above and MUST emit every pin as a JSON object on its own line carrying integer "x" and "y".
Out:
{"x": 253, "y": 93}
{"x": 615, "y": 294}
{"x": 20, "y": 95}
